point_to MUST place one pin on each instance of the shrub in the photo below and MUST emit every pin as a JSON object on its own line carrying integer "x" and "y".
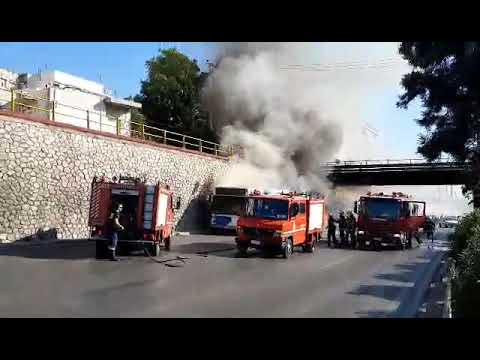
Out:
{"x": 466, "y": 275}
{"x": 463, "y": 232}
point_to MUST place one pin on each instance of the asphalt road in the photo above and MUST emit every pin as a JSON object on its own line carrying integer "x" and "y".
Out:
{"x": 64, "y": 280}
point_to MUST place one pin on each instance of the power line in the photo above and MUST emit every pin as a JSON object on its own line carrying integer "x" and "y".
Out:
{"x": 346, "y": 65}
{"x": 368, "y": 67}
{"x": 349, "y": 63}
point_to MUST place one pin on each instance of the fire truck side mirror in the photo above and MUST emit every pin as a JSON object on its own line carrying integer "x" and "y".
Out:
{"x": 355, "y": 207}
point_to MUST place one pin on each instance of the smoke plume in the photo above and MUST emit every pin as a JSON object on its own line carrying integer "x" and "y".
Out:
{"x": 288, "y": 123}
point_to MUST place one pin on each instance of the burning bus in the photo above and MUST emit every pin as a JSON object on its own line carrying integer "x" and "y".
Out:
{"x": 227, "y": 204}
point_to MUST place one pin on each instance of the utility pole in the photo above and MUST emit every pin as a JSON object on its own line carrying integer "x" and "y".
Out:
{"x": 211, "y": 68}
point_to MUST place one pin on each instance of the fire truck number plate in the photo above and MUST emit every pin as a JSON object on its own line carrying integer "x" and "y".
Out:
{"x": 255, "y": 242}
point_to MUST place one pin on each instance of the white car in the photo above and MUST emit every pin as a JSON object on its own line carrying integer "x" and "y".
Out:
{"x": 448, "y": 222}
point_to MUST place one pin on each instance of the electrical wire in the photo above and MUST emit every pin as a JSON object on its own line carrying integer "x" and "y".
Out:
{"x": 346, "y": 65}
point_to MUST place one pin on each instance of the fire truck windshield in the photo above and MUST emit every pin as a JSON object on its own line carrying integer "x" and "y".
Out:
{"x": 231, "y": 205}
{"x": 268, "y": 209}
{"x": 382, "y": 208}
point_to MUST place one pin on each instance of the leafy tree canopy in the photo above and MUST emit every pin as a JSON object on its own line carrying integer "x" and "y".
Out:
{"x": 170, "y": 96}
{"x": 446, "y": 78}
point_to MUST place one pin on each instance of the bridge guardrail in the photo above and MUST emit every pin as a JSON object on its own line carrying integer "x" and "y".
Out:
{"x": 393, "y": 162}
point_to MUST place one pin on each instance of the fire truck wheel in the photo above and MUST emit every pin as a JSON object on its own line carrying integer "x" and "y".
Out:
{"x": 154, "y": 249}
{"x": 167, "y": 243}
{"x": 288, "y": 249}
{"x": 310, "y": 248}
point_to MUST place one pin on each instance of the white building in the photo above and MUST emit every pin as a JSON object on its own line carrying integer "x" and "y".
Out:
{"x": 8, "y": 80}
{"x": 65, "y": 98}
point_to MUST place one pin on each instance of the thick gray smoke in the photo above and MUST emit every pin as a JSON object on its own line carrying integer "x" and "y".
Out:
{"x": 291, "y": 121}
{"x": 288, "y": 124}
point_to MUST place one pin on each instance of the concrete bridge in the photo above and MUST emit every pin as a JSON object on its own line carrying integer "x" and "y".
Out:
{"x": 399, "y": 172}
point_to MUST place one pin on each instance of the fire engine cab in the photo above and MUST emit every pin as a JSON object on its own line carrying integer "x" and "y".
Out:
{"x": 147, "y": 215}
{"x": 388, "y": 219}
{"x": 279, "y": 222}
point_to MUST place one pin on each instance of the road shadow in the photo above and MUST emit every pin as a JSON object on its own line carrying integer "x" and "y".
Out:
{"x": 77, "y": 249}
{"x": 391, "y": 292}
{"x": 228, "y": 249}
{"x": 223, "y": 250}
{"x": 205, "y": 248}
{"x": 196, "y": 219}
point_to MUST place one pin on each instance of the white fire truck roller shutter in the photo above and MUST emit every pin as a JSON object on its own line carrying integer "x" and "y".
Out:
{"x": 315, "y": 220}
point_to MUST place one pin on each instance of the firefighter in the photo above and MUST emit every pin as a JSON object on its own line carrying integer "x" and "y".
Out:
{"x": 331, "y": 231}
{"x": 429, "y": 228}
{"x": 342, "y": 226}
{"x": 115, "y": 228}
{"x": 351, "y": 229}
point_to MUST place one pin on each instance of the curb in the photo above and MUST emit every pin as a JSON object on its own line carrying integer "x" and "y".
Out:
{"x": 44, "y": 243}
{"x": 180, "y": 233}
{"x": 447, "y": 303}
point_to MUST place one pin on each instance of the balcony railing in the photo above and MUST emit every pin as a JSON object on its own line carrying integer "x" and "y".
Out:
{"x": 26, "y": 102}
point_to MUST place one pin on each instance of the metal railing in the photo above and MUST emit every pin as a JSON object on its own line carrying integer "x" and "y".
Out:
{"x": 26, "y": 102}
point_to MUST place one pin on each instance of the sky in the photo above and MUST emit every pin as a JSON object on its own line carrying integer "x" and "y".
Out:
{"x": 121, "y": 67}
{"x": 371, "y": 93}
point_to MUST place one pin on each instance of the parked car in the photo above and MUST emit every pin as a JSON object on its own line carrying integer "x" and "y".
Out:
{"x": 448, "y": 222}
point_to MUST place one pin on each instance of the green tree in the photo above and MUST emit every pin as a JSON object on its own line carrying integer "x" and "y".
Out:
{"x": 466, "y": 273}
{"x": 170, "y": 96}
{"x": 446, "y": 78}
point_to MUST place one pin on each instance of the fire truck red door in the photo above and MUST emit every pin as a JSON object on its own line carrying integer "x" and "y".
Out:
{"x": 299, "y": 224}
{"x": 99, "y": 204}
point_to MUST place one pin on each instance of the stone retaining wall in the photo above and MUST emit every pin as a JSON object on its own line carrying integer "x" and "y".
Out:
{"x": 46, "y": 172}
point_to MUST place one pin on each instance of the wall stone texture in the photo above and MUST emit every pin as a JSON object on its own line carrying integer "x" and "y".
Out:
{"x": 46, "y": 174}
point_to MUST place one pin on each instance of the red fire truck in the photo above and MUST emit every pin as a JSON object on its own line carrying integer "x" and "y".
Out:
{"x": 388, "y": 220}
{"x": 278, "y": 223}
{"x": 148, "y": 214}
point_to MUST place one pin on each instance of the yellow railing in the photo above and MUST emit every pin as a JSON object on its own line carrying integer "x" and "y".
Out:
{"x": 21, "y": 101}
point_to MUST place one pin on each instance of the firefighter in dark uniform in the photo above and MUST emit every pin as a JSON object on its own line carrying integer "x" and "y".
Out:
{"x": 342, "y": 226}
{"x": 115, "y": 228}
{"x": 331, "y": 231}
{"x": 429, "y": 228}
{"x": 351, "y": 229}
